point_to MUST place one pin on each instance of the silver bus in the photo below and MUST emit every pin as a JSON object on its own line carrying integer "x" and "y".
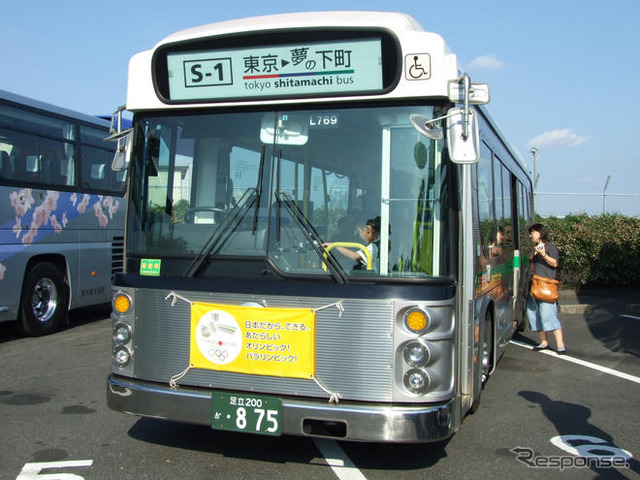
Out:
{"x": 324, "y": 231}
{"x": 62, "y": 224}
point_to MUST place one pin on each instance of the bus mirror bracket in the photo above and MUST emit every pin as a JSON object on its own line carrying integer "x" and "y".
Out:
{"x": 478, "y": 93}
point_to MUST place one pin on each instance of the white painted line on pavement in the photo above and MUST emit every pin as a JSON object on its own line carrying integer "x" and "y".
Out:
{"x": 635, "y": 317}
{"x": 32, "y": 471}
{"x": 342, "y": 465}
{"x": 593, "y": 366}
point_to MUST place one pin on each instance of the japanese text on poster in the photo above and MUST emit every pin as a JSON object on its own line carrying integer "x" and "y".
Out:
{"x": 253, "y": 340}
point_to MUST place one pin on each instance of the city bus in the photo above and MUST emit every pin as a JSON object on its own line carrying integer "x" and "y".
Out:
{"x": 62, "y": 225}
{"x": 325, "y": 231}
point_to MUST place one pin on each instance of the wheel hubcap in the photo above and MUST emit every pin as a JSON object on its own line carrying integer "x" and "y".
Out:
{"x": 486, "y": 353}
{"x": 44, "y": 300}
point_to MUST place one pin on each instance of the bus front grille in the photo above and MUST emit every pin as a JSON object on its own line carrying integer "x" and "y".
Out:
{"x": 354, "y": 352}
{"x": 117, "y": 254}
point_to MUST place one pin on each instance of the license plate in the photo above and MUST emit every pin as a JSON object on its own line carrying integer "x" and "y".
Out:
{"x": 240, "y": 412}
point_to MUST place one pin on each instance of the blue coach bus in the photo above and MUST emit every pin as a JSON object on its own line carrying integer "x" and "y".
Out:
{"x": 61, "y": 213}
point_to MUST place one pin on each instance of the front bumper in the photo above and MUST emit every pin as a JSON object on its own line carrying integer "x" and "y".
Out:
{"x": 301, "y": 417}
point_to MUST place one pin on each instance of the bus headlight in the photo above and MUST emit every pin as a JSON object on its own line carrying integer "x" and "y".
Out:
{"x": 122, "y": 356}
{"x": 416, "y": 381}
{"x": 121, "y": 333}
{"x": 416, "y": 320}
{"x": 416, "y": 354}
{"x": 121, "y": 303}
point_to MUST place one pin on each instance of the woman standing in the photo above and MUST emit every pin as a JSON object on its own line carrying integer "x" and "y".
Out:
{"x": 543, "y": 316}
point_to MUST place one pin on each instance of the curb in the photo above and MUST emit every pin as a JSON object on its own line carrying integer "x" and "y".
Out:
{"x": 572, "y": 302}
{"x": 582, "y": 308}
{"x": 576, "y": 309}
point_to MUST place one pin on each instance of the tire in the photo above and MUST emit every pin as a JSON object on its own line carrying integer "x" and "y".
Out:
{"x": 44, "y": 300}
{"x": 486, "y": 353}
{"x": 487, "y": 348}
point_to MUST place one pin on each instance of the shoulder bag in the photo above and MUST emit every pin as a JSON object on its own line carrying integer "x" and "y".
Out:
{"x": 544, "y": 289}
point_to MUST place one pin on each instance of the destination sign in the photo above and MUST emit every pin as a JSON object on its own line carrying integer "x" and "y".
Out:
{"x": 338, "y": 67}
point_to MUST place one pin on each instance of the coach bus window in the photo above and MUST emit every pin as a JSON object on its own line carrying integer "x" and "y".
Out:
{"x": 36, "y": 146}
{"x": 35, "y": 123}
{"x": 95, "y": 167}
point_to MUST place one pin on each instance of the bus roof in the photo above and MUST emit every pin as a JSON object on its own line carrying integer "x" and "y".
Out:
{"x": 398, "y": 22}
{"x": 143, "y": 92}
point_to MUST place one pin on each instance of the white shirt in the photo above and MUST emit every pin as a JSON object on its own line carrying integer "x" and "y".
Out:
{"x": 375, "y": 259}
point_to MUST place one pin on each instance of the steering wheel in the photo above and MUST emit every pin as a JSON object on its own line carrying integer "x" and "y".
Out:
{"x": 357, "y": 245}
{"x": 190, "y": 215}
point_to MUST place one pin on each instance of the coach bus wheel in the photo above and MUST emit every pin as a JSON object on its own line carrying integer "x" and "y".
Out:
{"x": 44, "y": 300}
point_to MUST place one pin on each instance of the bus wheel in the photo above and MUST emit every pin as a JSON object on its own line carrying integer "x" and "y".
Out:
{"x": 487, "y": 348}
{"x": 44, "y": 300}
{"x": 486, "y": 353}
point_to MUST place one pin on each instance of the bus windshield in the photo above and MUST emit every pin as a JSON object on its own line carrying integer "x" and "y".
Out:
{"x": 356, "y": 188}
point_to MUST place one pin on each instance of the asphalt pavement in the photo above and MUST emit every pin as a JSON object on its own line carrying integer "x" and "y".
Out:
{"x": 599, "y": 325}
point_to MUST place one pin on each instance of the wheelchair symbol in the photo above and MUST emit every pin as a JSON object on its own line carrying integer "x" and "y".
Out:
{"x": 417, "y": 66}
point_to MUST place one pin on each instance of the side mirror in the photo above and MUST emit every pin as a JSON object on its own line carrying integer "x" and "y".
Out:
{"x": 123, "y": 153}
{"x": 463, "y": 141}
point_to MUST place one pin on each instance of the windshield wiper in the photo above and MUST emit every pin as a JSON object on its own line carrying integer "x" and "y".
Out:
{"x": 312, "y": 236}
{"x": 259, "y": 188}
{"x": 224, "y": 230}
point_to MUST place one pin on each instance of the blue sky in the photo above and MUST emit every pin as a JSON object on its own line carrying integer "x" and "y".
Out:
{"x": 563, "y": 73}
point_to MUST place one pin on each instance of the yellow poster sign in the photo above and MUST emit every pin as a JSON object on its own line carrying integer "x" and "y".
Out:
{"x": 261, "y": 341}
